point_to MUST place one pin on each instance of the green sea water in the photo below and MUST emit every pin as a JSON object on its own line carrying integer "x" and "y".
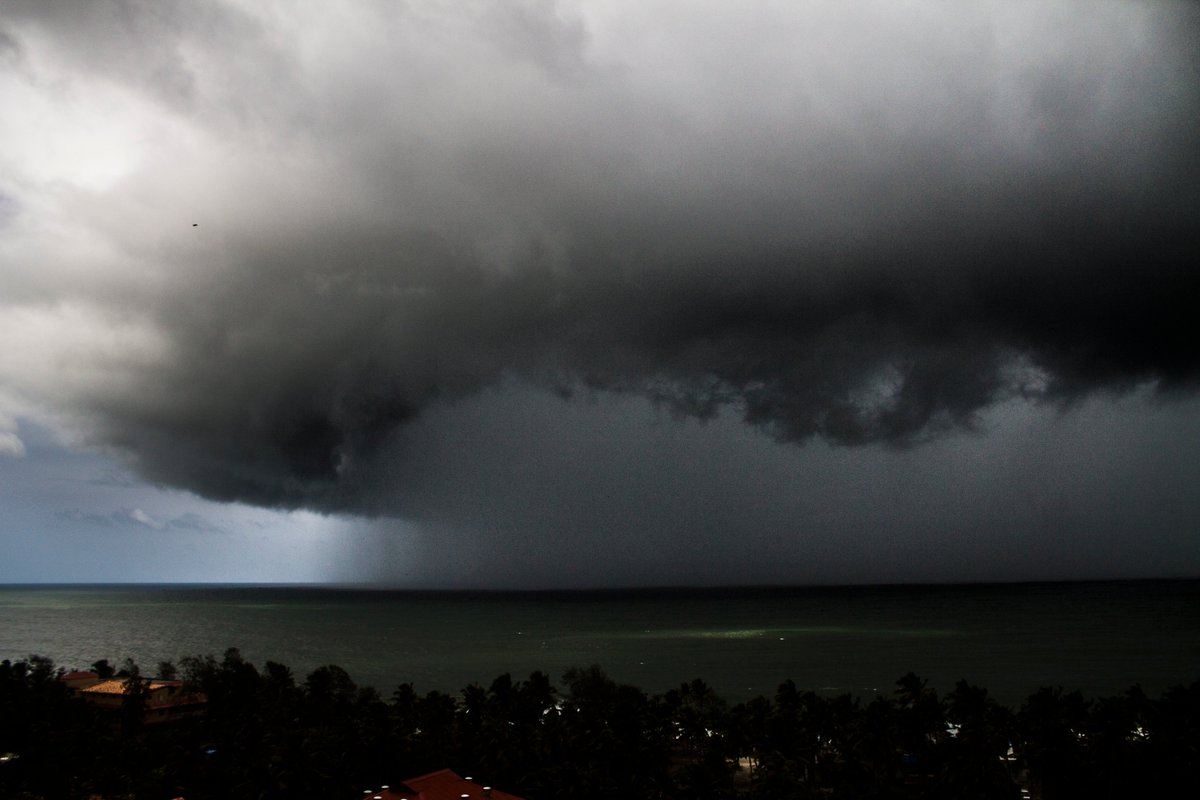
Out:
{"x": 1100, "y": 638}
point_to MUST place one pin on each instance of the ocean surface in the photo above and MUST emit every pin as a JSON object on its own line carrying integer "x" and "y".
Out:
{"x": 1100, "y": 638}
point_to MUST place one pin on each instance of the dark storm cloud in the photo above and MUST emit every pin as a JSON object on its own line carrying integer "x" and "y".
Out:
{"x": 860, "y": 222}
{"x": 518, "y": 490}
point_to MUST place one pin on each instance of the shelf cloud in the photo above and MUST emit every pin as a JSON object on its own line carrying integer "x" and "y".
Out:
{"x": 247, "y": 248}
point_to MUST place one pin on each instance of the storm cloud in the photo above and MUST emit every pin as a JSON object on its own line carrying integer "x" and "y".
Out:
{"x": 249, "y": 248}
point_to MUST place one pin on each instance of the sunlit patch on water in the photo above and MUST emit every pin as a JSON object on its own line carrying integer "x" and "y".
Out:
{"x": 748, "y": 633}
{"x": 783, "y": 633}
{"x": 288, "y": 608}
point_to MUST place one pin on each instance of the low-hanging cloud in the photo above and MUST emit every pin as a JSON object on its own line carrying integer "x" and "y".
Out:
{"x": 248, "y": 256}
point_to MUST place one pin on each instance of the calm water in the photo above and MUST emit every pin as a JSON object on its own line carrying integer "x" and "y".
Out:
{"x": 1097, "y": 637}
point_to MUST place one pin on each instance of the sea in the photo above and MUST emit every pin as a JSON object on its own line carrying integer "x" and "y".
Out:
{"x": 1100, "y": 638}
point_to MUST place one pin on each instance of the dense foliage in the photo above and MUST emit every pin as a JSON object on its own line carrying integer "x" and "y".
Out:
{"x": 266, "y": 735}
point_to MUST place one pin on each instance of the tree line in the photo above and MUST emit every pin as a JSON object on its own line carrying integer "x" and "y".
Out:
{"x": 267, "y": 735}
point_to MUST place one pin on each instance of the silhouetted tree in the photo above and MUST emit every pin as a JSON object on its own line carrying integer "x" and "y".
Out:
{"x": 974, "y": 765}
{"x": 133, "y": 703}
{"x": 267, "y": 737}
{"x": 1051, "y": 728}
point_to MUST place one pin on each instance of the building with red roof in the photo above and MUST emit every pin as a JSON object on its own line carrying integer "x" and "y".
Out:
{"x": 164, "y": 701}
{"x": 444, "y": 784}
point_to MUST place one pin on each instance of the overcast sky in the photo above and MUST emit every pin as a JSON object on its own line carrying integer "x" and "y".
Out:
{"x": 605, "y": 293}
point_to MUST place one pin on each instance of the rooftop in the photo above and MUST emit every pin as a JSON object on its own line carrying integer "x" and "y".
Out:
{"x": 117, "y": 686}
{"x": 444, "y": 784}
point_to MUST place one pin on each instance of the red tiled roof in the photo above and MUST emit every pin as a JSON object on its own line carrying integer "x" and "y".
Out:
{"x": 441, "y": 785}
{"x": 160, "y": 694}
{"x": 117, "y": 686}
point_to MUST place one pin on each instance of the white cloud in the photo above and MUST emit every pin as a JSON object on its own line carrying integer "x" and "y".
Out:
{"x": 142, "y": 518}
{"x": 11, "y": 444}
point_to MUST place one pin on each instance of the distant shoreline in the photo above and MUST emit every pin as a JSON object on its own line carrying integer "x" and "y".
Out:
{"x": 682, "y": 590}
